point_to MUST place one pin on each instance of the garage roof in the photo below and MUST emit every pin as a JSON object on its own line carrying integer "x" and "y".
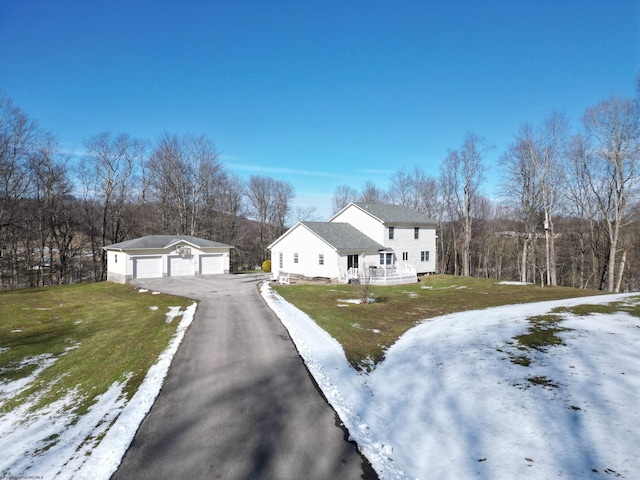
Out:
{"x": 164, "y": 241}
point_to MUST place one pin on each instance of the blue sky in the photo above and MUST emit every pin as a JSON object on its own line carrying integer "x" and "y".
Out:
{"x": 317, "y": 93}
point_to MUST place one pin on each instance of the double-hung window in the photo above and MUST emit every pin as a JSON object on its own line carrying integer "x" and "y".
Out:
{"x": 416, "y": 233}
{"x": 295, "y": 258}
{"x": 424, "y": 256}
{"x": 386, "y": 259}
{"x": 391, "y": 232}
{"x": 321, "y": 259}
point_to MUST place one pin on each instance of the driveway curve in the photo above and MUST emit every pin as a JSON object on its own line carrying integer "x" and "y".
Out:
{"x": 238, "y": 402}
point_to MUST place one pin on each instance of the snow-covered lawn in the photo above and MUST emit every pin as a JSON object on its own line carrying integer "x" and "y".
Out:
{"x": 52, "y": 444}
{"x": 447, "y": 402}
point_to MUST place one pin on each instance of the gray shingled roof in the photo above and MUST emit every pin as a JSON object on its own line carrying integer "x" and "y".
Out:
{"x": 163, "y": 241}
{"x": 396, "y": 214}
{"x": 342, "y": 236}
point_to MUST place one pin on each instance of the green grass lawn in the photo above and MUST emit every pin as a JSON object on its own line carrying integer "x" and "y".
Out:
{"x": 367, "y": 330}
{"x": 98, "y": 334}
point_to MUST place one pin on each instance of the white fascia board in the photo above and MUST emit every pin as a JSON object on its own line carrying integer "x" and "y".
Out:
{"x": 180, "y": 240}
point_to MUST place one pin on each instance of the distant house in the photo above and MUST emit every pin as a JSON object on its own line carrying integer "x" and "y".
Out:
{"x": 373, "y": 240}
{"x": 156, "y": 256}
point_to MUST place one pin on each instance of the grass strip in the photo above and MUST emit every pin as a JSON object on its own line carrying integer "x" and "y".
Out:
{"x": 366, "y": 331}
{"x": 97, "y": 334}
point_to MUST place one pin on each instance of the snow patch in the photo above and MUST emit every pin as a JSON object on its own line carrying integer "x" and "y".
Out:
{"x": 354, "y": 301}
{"x": 10, "y": 389}
{"x": 448, "y": 403}
{"x": 173, "y": 313}
{"x": 90, "y": 447}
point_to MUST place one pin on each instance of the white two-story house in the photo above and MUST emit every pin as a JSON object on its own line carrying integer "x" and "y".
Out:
{"x": 359, "y": 238}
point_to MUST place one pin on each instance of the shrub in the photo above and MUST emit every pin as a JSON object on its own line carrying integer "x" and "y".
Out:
{"x": 266, "y": 266}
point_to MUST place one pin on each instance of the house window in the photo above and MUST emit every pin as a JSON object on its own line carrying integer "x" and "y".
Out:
{"x": 424, "y": 256}
{"x": 405, "y": 256}
{"x": 115, "y": 258}
{"x": 416, "y": 233}
{"x": 321, "y": 259}
{"x": 295, "y": 258}
{"x": 280, "y": 259}
{"x": 386, "y": 259}
{"x": 391, "y": 232}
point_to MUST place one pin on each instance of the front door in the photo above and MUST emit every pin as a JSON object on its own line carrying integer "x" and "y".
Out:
{"x": 352, "y": 261}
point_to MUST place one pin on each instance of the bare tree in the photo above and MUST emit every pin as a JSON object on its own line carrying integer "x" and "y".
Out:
{"x": 371, "y": 193}
{"x": 415, "y": 189}
{"x": 520, "y": 184}
{"x": 305, "y": 214}
{"x": 111, "y": 181}
{"x": 582, "y": 207}
{"x": 462, "y": 174}
{"x": 269, "y": 203}
{"x": 549, "y": 160}
{"x": 224, "y": 205}
{"x": 542, "y": 151}
{"x": 18, "y": 137}
{"x": 283, "y": 195}
{"x": 342, "y": 196}
{"x": 613, "y": 128}
{"x": 183, "y": 170}
{"x": 54, "y": 210}
{"x": 402, "y": 190}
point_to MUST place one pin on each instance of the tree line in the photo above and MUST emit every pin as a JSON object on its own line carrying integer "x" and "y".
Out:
{"x": 57, "y": 212}
{"x": 567, "y": 213}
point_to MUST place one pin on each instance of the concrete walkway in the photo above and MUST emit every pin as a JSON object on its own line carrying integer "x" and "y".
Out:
{"x": 238, "y": 402}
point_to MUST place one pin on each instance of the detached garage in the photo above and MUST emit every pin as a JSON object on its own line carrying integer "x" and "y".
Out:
{"x": 156, "y": 256}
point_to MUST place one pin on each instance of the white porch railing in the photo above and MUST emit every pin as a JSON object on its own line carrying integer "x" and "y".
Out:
{"x": 381, "y": 276}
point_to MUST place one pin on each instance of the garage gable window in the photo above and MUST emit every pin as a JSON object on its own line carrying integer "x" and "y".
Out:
{"x": 115, "y": 258}
{"x": 280, "y": 260}
{"x": 321, "y": 259}
{"x": 295, "y": 258}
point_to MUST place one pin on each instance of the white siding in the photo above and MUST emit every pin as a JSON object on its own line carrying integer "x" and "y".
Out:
{"x": 308, "y": 247}
{"x": 404, "y": 241}
{"x": 403, "y": 238}
{"x": 117, "y": 266}
{"x": 363, "y": 221}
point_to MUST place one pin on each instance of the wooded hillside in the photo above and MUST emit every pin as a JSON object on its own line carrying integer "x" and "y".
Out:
{"x": 567, "y": 213}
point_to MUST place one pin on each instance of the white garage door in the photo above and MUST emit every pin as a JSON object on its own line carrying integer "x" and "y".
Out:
{"x": 211, "y": 264}
{"x": 179, "y": 266}
{"x": 147, "y": 267}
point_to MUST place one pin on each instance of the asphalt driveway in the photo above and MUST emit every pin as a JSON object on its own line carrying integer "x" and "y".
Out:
{"x": 238, "y": 402}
